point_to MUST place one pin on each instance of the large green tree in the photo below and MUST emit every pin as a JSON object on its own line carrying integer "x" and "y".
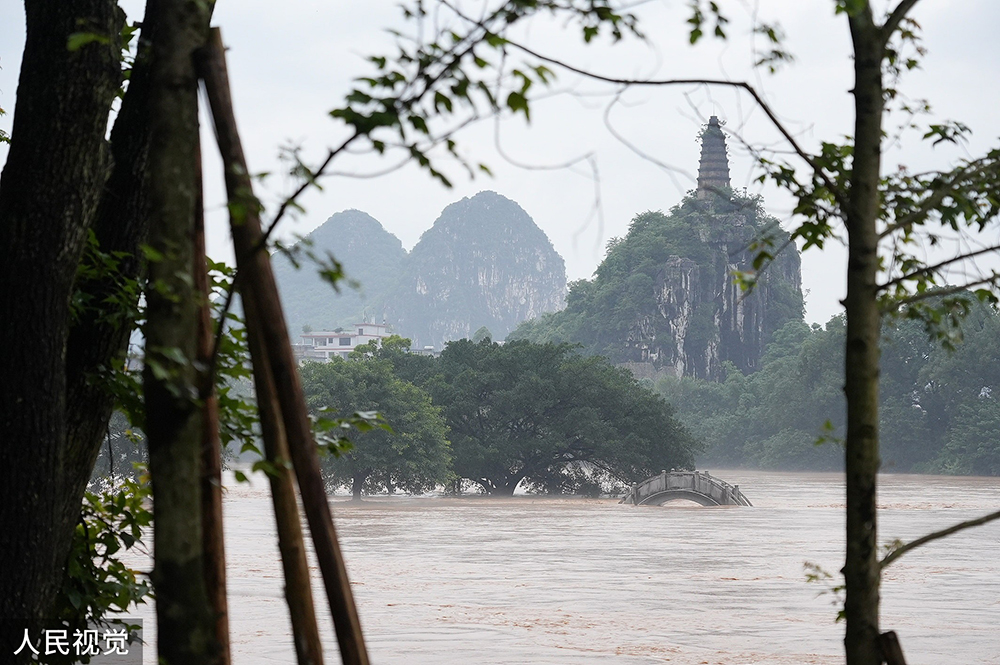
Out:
{"x": 58, "y": 185}
{"x": 538, "y": 413}
{"x": 412, "y": 456}
{"x": 62, "y": 182}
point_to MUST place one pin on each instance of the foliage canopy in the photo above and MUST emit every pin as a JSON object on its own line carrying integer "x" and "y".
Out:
{"x": 413, "y": 455}
{"x": 545, "y": 415}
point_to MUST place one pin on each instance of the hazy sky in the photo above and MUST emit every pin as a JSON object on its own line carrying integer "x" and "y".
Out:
{"x": 291, "y": 62}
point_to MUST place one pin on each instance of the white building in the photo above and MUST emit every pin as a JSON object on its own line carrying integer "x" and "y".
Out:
{"x": 324, "y": 345}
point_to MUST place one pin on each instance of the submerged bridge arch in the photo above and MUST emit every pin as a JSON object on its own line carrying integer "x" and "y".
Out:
{"x": 698, "y": 486}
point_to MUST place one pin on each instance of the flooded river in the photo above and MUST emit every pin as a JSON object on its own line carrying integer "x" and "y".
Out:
{"x": 564, "y": 581}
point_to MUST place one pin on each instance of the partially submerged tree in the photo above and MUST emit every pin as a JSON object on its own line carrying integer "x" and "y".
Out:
{"x": 50, "y": 399}
{"x": 887, "y": 218}
{"x": 412, "y": 455}
{"x": 523, "y": 412}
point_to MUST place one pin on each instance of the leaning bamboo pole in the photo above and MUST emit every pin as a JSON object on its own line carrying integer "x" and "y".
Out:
{"x": 291, "y": 544}
{"x": 254, "y": 268}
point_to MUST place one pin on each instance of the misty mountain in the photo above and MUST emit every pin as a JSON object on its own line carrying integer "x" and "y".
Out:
{"x": 370, "y": 256}
{"x": 484, "y": 262}
{"x": 664, "y": 300}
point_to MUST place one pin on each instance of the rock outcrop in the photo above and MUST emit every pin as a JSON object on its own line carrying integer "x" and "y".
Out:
{"x": 483, "y": 263}
{"x": 666, "y": 300}
{"x": 703, "y": 318}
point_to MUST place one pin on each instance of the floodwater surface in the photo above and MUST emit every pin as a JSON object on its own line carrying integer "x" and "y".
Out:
{"x": 560, "y": 581}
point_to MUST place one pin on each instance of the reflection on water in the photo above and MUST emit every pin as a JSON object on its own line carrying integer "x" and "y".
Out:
{"x": 561, "y": 581}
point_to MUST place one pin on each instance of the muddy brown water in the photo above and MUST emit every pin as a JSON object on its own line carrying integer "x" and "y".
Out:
{"x": 564, "y": 580}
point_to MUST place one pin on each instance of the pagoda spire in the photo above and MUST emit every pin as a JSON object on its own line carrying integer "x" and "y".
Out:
{"x": 713, "y": 171}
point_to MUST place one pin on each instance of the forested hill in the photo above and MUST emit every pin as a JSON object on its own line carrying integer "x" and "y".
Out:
{"x": 370, "y": 257}
{"x": 664, "y": 299}
{"x": 483, "y": 263}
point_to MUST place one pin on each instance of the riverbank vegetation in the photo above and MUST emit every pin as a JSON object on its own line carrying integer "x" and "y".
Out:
{"x": 667, "y": 264}
{"x": 135, "y": 188}
{"x": 939, "y": 406}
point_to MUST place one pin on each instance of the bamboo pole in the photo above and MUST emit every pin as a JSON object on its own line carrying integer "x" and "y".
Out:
{"x": 892, "y": 652}
{"x": 213, "y": 542}
{"x": 298, "y": 590}
{"x": 253, "y": 264}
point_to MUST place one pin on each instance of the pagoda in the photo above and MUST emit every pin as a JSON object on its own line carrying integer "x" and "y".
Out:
{"x": 713, "y": 171}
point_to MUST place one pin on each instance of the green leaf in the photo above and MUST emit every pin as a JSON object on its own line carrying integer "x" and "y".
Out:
{"x": 151, "y": 254}
{"x": 442, "y": 101}
{"x": 516, "y": 101}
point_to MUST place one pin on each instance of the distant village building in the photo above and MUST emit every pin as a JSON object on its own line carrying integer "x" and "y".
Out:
{"x": 323, "y": 345}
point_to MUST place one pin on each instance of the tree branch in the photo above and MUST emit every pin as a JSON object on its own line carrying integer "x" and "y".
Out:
{"x": 937, "y": 266}
{"x": 895, "y": 18}
{"x": 283, "y": 208}
{"x": 940, "y": 293}
{"x": 940, "y": 194}
{"x": 805, "y": 156}
{"x": 961, "y": 526}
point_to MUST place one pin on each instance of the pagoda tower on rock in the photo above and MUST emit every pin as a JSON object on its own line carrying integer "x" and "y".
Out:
{"x": 713, "y": 171}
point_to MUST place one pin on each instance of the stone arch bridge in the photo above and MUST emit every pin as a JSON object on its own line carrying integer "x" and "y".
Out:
{"x": 697, "y": 486}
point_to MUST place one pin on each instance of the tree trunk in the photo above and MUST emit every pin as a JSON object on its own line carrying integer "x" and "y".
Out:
{"x": 99, "y": 338}
{"x": 49, "y": 190}
{"x": 357, "y": 485}
{"x": 861, "y": 568}
{"x": 185, "y": 626}
{"x": 508, "y": 487}
{"x": 213, "y": 540}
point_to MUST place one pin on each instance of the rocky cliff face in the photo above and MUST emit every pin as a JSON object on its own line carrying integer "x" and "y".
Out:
{"x": 483, "y": 263}
{"x": 665, "y": 300}
{"x": 700, "y": 318}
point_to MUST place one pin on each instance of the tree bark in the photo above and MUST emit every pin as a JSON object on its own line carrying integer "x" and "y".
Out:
{"x": 213, "y": 540}
{"x": 49, "y": 190}
{"x": 253, "y": 263}
{"x": 357, "y": 485}
{"x": 861, "y": 568}
{"x": 184, "y": 615}
{"x": 99, "y": 338}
